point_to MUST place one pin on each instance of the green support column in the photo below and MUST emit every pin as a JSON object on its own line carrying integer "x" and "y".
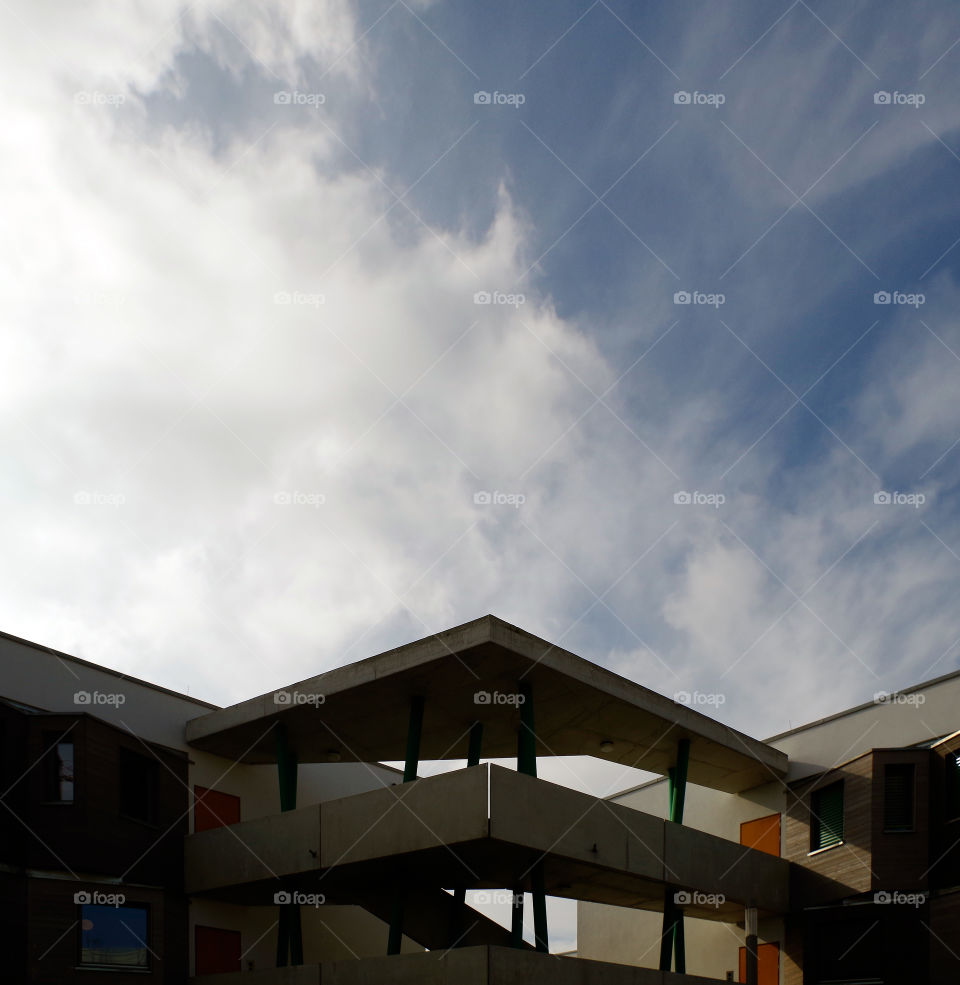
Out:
{"x": 289, "y": 931}
{"x": 527, "y": 763}
{"x": 414, "y": 732}
{"x": 672, "y": 937}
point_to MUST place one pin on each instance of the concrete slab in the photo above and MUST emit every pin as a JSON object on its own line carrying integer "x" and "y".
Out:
{"x": 483, "y": 827}
{"x": 473, "y": 672}
{"x": 489, "y": 965}
{"x": 266, "y": 848}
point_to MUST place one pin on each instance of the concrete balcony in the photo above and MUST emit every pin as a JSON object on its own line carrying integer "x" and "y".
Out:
{"x": 482, "y": 828}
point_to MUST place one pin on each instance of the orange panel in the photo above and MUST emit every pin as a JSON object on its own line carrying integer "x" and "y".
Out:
{"x": 213, "y": 809}
{"x": 762, "y": 834}
{"x": 768, "y": 964}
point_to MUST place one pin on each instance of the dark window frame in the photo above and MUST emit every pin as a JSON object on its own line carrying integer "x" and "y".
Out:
{"x": 139, "y": 969}
{"x": 52, "y": 770}
{"x": 817, "y": 809}
{"x": 910, "y": 770}
{"x": 146, "y": 770}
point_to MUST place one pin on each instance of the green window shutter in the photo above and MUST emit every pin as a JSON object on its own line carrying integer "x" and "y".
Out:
{"x": 898, "y": 788}
{"x": 827, "y": 822}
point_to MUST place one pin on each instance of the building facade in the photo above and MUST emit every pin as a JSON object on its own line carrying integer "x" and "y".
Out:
{"x": 868, "y": 817}
{"x": 148, "y": 836}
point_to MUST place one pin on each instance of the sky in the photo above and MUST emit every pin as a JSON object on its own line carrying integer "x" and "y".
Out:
{"x": 327, "y": 326}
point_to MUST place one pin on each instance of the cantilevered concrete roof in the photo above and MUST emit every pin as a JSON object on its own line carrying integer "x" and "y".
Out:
{"x": 359, "y": 712}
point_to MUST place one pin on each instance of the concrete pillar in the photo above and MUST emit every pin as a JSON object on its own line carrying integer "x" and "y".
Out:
{"x": 527, "y": 763}
{"x": 750, "y": 931}
{"x": 460, "y": 894}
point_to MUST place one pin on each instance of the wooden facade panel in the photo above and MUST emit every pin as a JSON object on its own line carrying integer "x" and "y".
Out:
{"x": 850, "y": 862}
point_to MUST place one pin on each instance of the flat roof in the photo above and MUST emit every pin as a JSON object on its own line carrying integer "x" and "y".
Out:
{"x": 473, "y": 672}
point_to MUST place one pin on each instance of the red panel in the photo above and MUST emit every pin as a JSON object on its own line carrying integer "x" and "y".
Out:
{"x": 213, "y": 809}
{"x": 768, "y": 964}
{"x": 216, "y": 950}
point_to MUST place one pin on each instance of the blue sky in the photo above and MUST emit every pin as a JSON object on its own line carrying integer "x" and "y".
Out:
{"x": 160, "y": 399}
{"x": 250, "y": 403}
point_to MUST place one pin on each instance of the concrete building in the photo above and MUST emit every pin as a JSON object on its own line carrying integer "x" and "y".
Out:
{"x": 868, "y": 817}
{"x": 160, "y": 838}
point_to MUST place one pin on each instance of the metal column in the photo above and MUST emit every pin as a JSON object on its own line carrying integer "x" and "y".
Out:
{"x": 414, "y": 732}
{"x": 672, "y": 937}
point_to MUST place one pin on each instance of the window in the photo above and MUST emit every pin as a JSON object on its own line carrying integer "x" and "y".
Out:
{"x": 114, "y": 937}
{"x": 57, "y": 769}
{"x": 952, "y": 785}
{"x": 898, "y": 788}
{"x": 138, "y": 786}
{"x": 826, "y": 822}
